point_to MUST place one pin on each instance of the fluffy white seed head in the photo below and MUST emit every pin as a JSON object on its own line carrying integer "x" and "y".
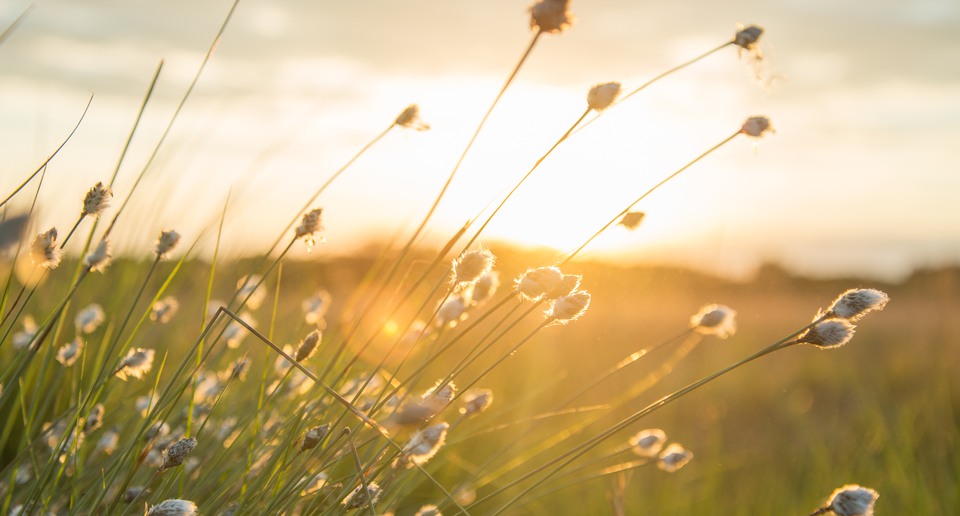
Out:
{"x": 485, "y": 287}
{"x": 70, "y": 352}
{"x": 308, "y": 346}
{"x": 570, "y": 307}
{"x": 756, "y": 126}
{"x": 108, "y": 442}
{"x": 174, "y": 507}
{"x": 602, "y": 96}
{"x": 475, "y": 402}
{"x": 360, "y": 497}
{"x": 410, "y": 119}
{"x": 440, "y": 394}
{"x": 310, "y": 223}
{"x": 96, "y": 200}
{"x": 551, "y": 16}
{"x": 136, "y": 364}
{"x": 537, "y": 283}
{"x": 452, "y": 311}
{"x": 649, "y": 442}
{"x": 429, "y": 510}
{"x": 315, "y": 307}
{"x": 94, "y": 418}
{"x": 22, "y": 339}
{"x": 471, "y": 265}
{"x": 166, "y": 243}
{"x": 98, "y": 259}
{"x": 177, "y": 452}
{"x": 424, "y": 444}
{"x": 748, "y": 37}
{"x": 164, "y": 309}
{"x": 249, "y": 288}
{"x": 44, "y": 250}
{"x": 674, "y": 458}
{"x": 855, "y": 303}
{"x": 831, "y": 333}
{"x": 89, "y": 319}
{"x": 716, "y": 320}
{"x": 853, "y": 500}
{"x": 316, "y": 483}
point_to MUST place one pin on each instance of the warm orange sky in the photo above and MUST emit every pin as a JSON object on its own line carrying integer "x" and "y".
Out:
{"x": 862, "y": 175}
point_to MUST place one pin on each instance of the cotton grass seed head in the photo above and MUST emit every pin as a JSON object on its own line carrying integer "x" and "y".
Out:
{"x": 475, "y": 402}
{"x": 537, "y": 283}
{"x": 177, "y": 452}
{"x": 425, "y": 444}
{"x": 853, "y": 500}
{"x": 309, "y": 225}
{"x": 96, "y": 200}
{"x": 551, "y": 16}
{"x": 164, "y": 309}
{"x": 674, "y": 458}
{"x": 108, "y": 442}
{"x": 485, "y": 287}
{"x": 747, "y": 37}
{"x": 68, "y": 354}
{"x": 98, "y": 259}
{"x": 429, "y": 510}
{"x": 756, "y": 126}
{"x": 602, "y": 96}
{"x": 632, "y": 220}
{"x": 360, "y": 497}
{"x": 716, "y": 320}
{"x": 855, "y": 303}
{"x": 468, "y": 268}
{"x": 570, "y": 307}
{"x": 316, "y": 483}
{"x": 44, "y": 250}
{"x": 649, "y": 442}
{"x": 315, "y": 307}
{"x": 89, "y": 319}
{"x": 313, "y": 437}
{"x": 136, "y": 364}
{"x": 307, "y": 346}
{"x": 831, "y": 333}
{"x": 452, "y": 311}
{"x": 166, "y": 243}
{"x": 173, "y": 507}
{"x": 410, "y": 119}
{"x": 22, "y": 339}
{"x": 94, "y": 418}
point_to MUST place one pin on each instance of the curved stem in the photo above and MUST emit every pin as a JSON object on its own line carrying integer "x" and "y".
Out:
{"x": 645, "y": 194}
{"x": 657, "y": 78}
{"x": 49, "y": 158}
{"x": 522, "y": 180}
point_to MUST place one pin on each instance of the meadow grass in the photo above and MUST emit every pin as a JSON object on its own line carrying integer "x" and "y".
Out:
{"x": 508, "y": 382}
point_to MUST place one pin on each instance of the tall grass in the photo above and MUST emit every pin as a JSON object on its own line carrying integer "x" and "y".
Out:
{"x": 477, "y": 387}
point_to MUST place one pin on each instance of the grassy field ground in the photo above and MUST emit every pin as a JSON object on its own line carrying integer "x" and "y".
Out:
{"x": 774, "y": 437}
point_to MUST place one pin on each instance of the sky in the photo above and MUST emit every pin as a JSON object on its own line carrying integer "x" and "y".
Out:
{"x": 861, "y": 177}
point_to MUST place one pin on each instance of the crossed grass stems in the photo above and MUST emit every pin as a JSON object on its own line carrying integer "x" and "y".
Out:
{"x": 375, "y": 286}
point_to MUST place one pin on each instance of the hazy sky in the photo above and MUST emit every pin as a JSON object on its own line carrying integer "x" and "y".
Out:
{"x": 862, "y": 175}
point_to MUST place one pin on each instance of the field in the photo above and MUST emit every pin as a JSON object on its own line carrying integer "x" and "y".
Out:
{"x": 457, "y": 371}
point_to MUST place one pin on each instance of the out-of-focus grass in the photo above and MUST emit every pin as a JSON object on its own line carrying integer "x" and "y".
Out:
{"x": 772, "y": 438}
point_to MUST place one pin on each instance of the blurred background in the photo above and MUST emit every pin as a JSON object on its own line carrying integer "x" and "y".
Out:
{"x": 857, "y": 188}
{"x": 859, "y": 178}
